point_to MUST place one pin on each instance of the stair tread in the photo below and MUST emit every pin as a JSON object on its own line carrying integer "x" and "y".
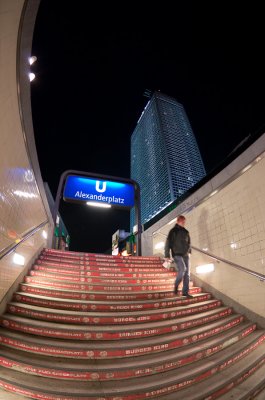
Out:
{"x": 104, "y": 313}
{"x": 246, "y": 389}
{"x": 143, "y": 384}
{"x": 38, "y": 285}
{"x": 121, "y": 344}
{"x": 95, "y": 326}
{"x": 203, "y": 389}
{"x": 95, "y": 284}
{"x": 110, "y": 328}
{"x": 137, "y": 362}
{"x": 99, "y": 280}
{"x": 89, "y": 270}
{"x": 181, "y": 333}
{"x": 125, "y": 302}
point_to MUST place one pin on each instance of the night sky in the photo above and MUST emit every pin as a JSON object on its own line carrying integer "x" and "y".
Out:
{"x": 94, "y": 62}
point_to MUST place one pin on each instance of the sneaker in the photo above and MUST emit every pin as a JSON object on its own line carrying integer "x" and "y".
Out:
{"x": 188, "y": 295}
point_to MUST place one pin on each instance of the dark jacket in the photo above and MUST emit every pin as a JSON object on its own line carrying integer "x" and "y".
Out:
{"x": 178, "y": 241}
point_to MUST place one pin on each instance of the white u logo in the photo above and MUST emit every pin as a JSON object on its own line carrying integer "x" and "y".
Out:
{"x": 104, "y": 185}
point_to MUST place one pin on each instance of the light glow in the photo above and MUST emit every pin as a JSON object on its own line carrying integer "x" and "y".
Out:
{"x": 18, "y": 259}
{"x": 29, "y": 176}
{"x": 115, "y": 251}
{"x": 247, "y": 167}
{"x": 95, "y": 204}
{"x": 135, "y": 228}
{"x": 202, "y": 269}
{"x": 213, "y": 193}
{"x": 27, "y": 195}
{"x": 160, "y": 245}
{"x": 31, "y": 76}
{"x": 44, "y": 234}
{"x": 32, "y": 60}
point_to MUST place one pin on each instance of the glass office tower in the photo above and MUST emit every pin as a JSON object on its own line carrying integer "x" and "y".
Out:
{"x": 165, "y": 158}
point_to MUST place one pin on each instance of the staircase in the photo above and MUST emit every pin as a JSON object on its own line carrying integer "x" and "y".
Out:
{"x": 96, "y": 327}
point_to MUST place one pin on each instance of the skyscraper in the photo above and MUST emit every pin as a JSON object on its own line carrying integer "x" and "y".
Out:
{"x": 165, "y": 158}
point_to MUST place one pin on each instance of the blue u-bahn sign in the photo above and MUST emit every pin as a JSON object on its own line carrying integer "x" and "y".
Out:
{"x": 82, "y": 189}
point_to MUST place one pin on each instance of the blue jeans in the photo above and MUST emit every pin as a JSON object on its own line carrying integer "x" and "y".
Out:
{"x": 183, "y": 265}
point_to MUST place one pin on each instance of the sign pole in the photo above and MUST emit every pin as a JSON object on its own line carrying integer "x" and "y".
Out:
{"x": 138, "y": 220}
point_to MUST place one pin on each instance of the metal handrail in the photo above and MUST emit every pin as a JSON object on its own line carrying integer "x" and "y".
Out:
{"x": 12, "y": 247}
{"x": 261, "y": 277}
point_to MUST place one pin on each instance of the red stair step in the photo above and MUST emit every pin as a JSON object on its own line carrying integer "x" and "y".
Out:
{"x": 89, "y": 305}
{"x": 88, "y": 295}
{"x": 117, "y": 318}
{"x": 125, "y": 348}
{"x": 234, "y": 367}
{"x": 110, "y": 332}
{"x": 123, "y": 369}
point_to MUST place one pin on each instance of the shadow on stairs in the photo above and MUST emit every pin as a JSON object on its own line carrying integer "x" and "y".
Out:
{"x": 97, "y": 327}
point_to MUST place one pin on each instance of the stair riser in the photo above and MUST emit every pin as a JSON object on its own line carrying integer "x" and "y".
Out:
{"x": 125, "y": 374}
{"x": 98, "y": 287}
{"x": 100, "y": 296}
{"x": 94, "y": 273}
{"x": 129, "y": 352}
{"x": 102, "y": 267}
{"x": 111, "y": 319}
{"x": 110, "y": 281}
{"x": 102, "y": 260}
{"x": 99, "y": 335}
{"x": 136, "y": 259}
{"x": 107, "y": 307}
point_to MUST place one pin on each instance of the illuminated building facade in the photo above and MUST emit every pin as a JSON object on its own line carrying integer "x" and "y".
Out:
{"x": 165, "y": 158}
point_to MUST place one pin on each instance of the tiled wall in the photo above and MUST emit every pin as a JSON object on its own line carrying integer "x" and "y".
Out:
{"x": 226, "y": 217}
{"x": 231, "y": 225}
{"x": 11, "y": 273}
{"x": 22, "y": 206}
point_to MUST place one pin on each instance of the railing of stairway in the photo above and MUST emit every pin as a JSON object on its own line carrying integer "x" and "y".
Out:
{"x": 261, "y": 277}
{"x": 13, "y": 246}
